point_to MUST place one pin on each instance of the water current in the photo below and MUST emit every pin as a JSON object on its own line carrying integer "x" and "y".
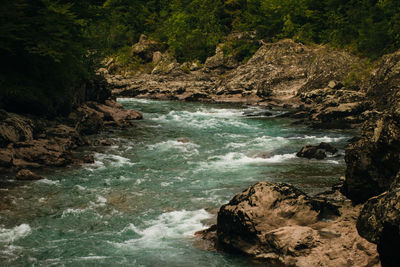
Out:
{"x": 161, "y": 180}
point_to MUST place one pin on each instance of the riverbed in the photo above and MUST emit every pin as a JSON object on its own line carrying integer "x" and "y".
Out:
{"x": 160, "y": 181}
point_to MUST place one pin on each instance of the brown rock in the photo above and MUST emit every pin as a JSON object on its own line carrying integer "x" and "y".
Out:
{"x": 27, "y": 175}
{"x": 87, "y": 120}
{"x": 316, "y": 152}
{"x": 373, "y": 161}
{"x": 88, "y": 159}
{"x": 278, "y": 224}
{"x": 15, "y": 128}
{"x": 117, "y": 114}
{"x": 145, "y": 48}
{"x": 379, "y": 222}
{"x": 6, "y": 157}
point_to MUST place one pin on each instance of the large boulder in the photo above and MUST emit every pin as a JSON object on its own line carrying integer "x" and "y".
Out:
{"x": 373, "y": 161}
{"x": 87, "y": 120}
{"x": 329, "y": 66}
{"x": 145, "y": 48}
{"x": 113, "y": 111}
{"x": 279, "y": 224}
{"x": 165, "y": 64}
{"x": 220, "y": 60}
{"x": 15, "y": 128}
{"x": 316, "y": 152}
{"x": 384, "y": 84}
{"x": 276, "y": 69}
{"x": 379, "y": 222}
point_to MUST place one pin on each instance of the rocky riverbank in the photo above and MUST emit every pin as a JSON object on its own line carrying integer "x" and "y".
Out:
{"x": 326, "y": 89}
{"x": 30, "y": 142}
{"x": 319, "y": 85}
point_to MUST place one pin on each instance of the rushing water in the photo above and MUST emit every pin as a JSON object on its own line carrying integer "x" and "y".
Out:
{"x": 144, "y": 197}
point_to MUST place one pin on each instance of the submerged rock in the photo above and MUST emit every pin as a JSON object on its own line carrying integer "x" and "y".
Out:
{"x": 25, "y": 174}
{"x": 279, "y": 224}
{"x": 316, "y": 152}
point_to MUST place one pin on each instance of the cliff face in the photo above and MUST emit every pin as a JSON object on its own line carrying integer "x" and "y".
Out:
{"x": 373, "y": 163}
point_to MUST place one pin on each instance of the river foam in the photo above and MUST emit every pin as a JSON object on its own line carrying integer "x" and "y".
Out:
{"x": 184, "y": 147}
{"x": 234, "y": 160}
{"x": 159, "y": 232}
{"x": 13, "y": 234}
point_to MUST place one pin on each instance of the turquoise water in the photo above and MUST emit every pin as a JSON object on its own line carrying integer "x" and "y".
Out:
{"x": 144, "y": 197}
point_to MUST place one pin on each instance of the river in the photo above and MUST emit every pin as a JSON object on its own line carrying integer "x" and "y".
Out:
{"x": 144, "y": 197}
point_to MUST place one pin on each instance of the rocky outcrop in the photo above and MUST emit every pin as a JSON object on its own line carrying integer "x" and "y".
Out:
{"x": 277, "y": 70}
{"x": 373, "y": 161}
{"x": 379, "y": 222}
{"x": 384, "y": 83}
{"x": 316, "y": 152}
{"x": 278, "y": 224}
{"x": 220, "y": 60}
{"x": 164, "y": 64}
{"x": 372, "y": 173}
{"x": 145, "y": 48}
{"x": 36, "y": 142}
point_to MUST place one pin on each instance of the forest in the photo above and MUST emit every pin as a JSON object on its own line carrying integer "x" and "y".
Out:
{"x": 48, "y": 48}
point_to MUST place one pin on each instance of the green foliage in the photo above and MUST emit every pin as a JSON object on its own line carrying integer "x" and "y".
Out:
{"x": 358, "y": 74}
{"x": 44, "y": 53}
{"x": 48, "y": 47}
{"x": 130, "y": 64}
{"x": 242, "y": 50}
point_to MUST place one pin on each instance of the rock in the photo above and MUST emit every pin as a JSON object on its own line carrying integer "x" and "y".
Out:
{"x": 257, "y": 113}
{"x": 193, "y": 96}
{"x": 102, "y": 142}
{"x": 27, "y": 175}
{"x": 219, "y": 60}
{"x": 88, "y": 159}
{"x": 196, "y": 65}
{"x": 279, "y": 224}
{"x": 15, "y": 128}
{"x": 335, "y": 85}
{"x": 166, "y": 64}
{"x": 384, "y": 83}
{"x": 157, "y": 56}
{"x": 316, "y": 152}
{"x": 379, "y": 222}
{"x": 44, "y": 152}
{"x": 329, "y": 65}
{"x": 114, "y": 112}
{"x": 372, "y": 162}
{"x": 328, "y": 148}
{"x": 292, "y": 240}
{"x": 87, "y": 120}
{"x": 276, "y": 70}
{"x": 6, "y": 157}
{"x": 145, "y": 48}
{"x": 64, "y": 131}
{"x": 183, "y": 140}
